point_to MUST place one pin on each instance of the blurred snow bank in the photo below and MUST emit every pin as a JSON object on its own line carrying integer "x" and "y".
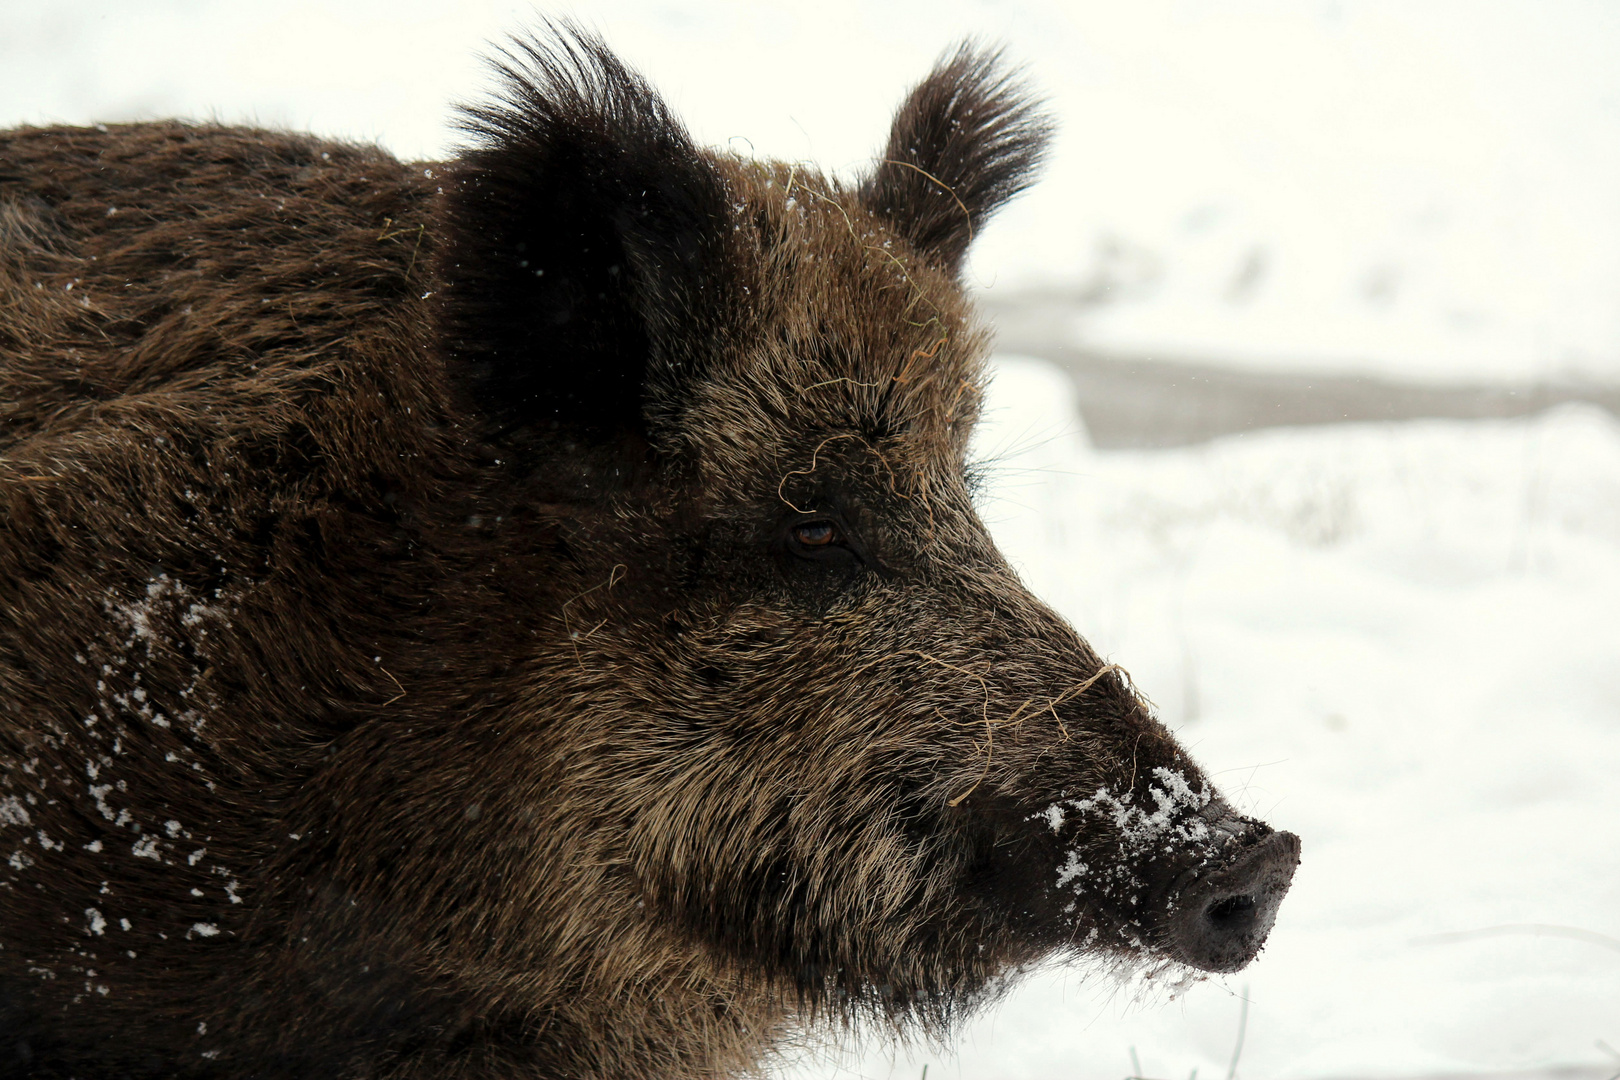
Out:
{"x": 1398, "y": 641}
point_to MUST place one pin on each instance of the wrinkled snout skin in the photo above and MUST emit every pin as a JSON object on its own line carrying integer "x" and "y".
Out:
{"x": 526, "y": 616}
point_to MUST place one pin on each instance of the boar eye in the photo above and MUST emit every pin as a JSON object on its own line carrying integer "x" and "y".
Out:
{"x": 821, "y": 540}
{"x": 816, "y": 534}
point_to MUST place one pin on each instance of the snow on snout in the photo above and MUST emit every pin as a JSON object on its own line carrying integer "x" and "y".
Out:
{"x": 1174, "y": 817}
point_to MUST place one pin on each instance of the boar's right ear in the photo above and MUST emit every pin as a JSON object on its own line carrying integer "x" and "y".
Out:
{"x": 585, "y": 245}
{"x": 967, "y": 139}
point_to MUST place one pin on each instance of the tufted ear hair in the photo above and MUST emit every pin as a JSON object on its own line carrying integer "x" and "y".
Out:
{"x": 586, "y": 244}
{"x": 967, "y": 139}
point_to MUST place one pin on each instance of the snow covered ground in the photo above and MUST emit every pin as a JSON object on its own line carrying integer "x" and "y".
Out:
{"x": 1401, "y": 642}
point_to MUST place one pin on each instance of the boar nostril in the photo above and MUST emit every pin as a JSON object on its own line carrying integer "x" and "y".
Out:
{"x": 1222, "y": 916}
{"x": 1233, "y": 914}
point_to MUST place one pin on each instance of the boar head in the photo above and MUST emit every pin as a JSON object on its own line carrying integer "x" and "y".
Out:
{"x": 793, "y": 710}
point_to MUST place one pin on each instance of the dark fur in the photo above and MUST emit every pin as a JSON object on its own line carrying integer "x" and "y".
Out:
{"x": 451, "y": 612}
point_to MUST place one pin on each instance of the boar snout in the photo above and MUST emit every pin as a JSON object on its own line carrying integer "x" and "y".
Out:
{"x": 1169, "y": 871}
{"x": 1220, "y": 917}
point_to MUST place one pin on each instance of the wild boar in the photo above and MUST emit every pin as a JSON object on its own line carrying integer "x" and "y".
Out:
{"x": 526, "y": 615}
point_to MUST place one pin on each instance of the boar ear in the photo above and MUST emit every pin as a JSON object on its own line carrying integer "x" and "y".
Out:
{"x": 967, "y": 139}
{"x": 586, "y": 239}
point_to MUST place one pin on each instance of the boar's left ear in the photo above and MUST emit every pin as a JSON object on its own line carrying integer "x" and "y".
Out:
{"x": 586, "y": 245}
{"x": 967, "y": 139}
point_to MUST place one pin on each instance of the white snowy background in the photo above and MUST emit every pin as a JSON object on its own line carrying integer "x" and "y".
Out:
{"x": 1400, "y": 641}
